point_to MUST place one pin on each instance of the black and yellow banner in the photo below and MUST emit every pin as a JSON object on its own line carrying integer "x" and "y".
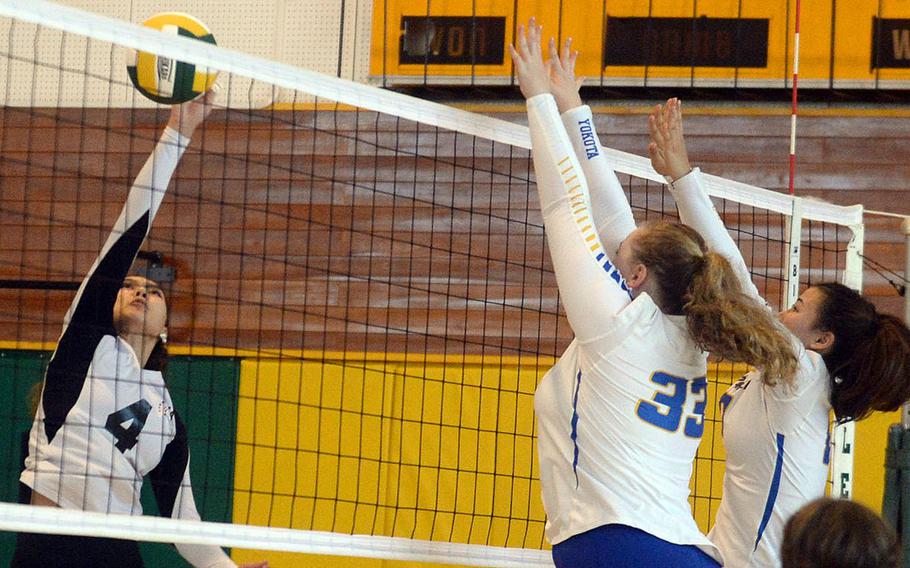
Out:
{"x": 704, "y": 43}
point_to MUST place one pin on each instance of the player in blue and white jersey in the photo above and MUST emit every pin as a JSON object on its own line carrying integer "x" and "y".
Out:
{"x": 851, "y": 359}
{"x": 106, "y": 420}
{"x": 620, "y": 415}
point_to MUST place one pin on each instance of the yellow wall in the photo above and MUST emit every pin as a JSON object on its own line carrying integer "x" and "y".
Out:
{"x": 418, "y": 450}
{"x": 440, "y": 450}
{"x": 869, "y": 459}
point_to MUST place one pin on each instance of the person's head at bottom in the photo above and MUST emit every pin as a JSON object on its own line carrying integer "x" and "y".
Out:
{"x": 837, "y": 533}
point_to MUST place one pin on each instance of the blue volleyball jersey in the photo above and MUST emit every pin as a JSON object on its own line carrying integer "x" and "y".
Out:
{"x": 620, "y": 415}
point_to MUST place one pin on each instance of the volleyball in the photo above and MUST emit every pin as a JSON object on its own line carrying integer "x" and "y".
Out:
{"x": 166, "y": 80}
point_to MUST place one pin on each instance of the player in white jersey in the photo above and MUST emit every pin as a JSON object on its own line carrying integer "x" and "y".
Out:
{"x": 851, "y": 359}
{"x": 105, "y": 419}
{"x": 620, "y": 415}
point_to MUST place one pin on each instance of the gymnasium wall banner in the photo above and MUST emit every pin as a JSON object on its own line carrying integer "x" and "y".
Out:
{"x": 890, "y": 43}
{"x": 687, "y": 42}
{"x": 447, "y": 40}
{"x": 861, "y": 44}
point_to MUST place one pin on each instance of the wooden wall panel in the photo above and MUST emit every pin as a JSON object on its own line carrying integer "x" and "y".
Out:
{"x": 287, "y": 232}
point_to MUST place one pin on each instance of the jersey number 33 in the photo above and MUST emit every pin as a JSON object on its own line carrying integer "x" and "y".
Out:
{"x": 666, "y": 407}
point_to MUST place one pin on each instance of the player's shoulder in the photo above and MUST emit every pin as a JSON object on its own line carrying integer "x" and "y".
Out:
{"x": 812, "y": 378}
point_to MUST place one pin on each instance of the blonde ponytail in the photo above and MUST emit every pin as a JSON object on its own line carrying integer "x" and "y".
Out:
{"x": 721, "y": 318}
{"x": 732, "y": 325}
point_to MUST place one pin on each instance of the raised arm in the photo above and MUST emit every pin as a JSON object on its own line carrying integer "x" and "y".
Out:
{"x": 94, "y": 302}
{"x": 591, "y": 288}
{"x": 670, "y": 159}
{"x": 91, "y": 314}
{"x": 610, "y": 208}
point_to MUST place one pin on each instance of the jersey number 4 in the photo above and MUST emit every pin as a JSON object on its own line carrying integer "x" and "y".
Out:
{"x": 665, "y": 409}
{"x": 136, "y": 414}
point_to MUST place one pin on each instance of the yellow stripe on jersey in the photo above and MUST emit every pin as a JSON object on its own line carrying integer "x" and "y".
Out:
{"x": 580, "y": 207}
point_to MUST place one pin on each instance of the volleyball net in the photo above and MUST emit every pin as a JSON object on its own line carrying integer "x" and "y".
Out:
{"x": 360, "y": 299}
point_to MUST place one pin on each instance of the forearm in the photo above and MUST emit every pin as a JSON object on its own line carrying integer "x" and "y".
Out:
{"x": 609, "y": 205}
{"x": 205, "y": 556}
{"x": 151, "y": 183}
{"x": 697, "y": 211}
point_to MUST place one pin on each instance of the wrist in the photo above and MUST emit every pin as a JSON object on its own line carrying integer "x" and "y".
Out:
{"x": 567, "y": 103}
{"x": 534, "y": 90}
{"x": 681, "y": 182}
{"x": 681, "y": 172}
{"x": 175, "y": 137}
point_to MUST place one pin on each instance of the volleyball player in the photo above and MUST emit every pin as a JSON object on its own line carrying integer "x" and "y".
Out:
{"x": 105, "y": 419}
{"x": 852, "y": 359}
{"x": 620, "y": 415}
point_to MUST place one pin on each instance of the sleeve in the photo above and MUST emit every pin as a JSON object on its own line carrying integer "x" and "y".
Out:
{"x": 583, "y": 268}
{"x": 91, "y": 314}
{"x": 697, "y": 211}
{"x": 609, "y": 205}
{"x": 174, "y": 495}
{"x": 100, "y": 286}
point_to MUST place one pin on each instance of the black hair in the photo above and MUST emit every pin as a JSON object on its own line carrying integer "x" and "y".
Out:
{"x": 869, "y": 361}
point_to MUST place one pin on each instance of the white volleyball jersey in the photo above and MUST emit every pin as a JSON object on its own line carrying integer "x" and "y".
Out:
{"x": 620, "y": 415}
{"x": 776, "y": 438}
{"x": 104, "y": 423}
{"x": 777, "y": 447}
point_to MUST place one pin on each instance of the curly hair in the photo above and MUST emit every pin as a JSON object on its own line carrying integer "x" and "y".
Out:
{"x": 720, "y": 316}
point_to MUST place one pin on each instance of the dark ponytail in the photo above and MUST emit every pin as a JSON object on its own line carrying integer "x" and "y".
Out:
{"x": 869, "y": 361}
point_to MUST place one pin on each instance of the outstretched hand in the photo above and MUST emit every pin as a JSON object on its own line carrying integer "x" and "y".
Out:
{"x": 668, "y": 146}
{"x": 533, "y": 74}
{"x": 563, "y": 83}
{"x": 186, "y": 117}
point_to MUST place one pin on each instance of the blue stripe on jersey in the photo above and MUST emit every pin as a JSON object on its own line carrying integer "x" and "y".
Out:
{"x": 725, "y": 401}
{"x": 826, "y": 457}
{"x": 772, "y": 492}
{"x": 613, "y": 272}
{"x": 575, "y": 427}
